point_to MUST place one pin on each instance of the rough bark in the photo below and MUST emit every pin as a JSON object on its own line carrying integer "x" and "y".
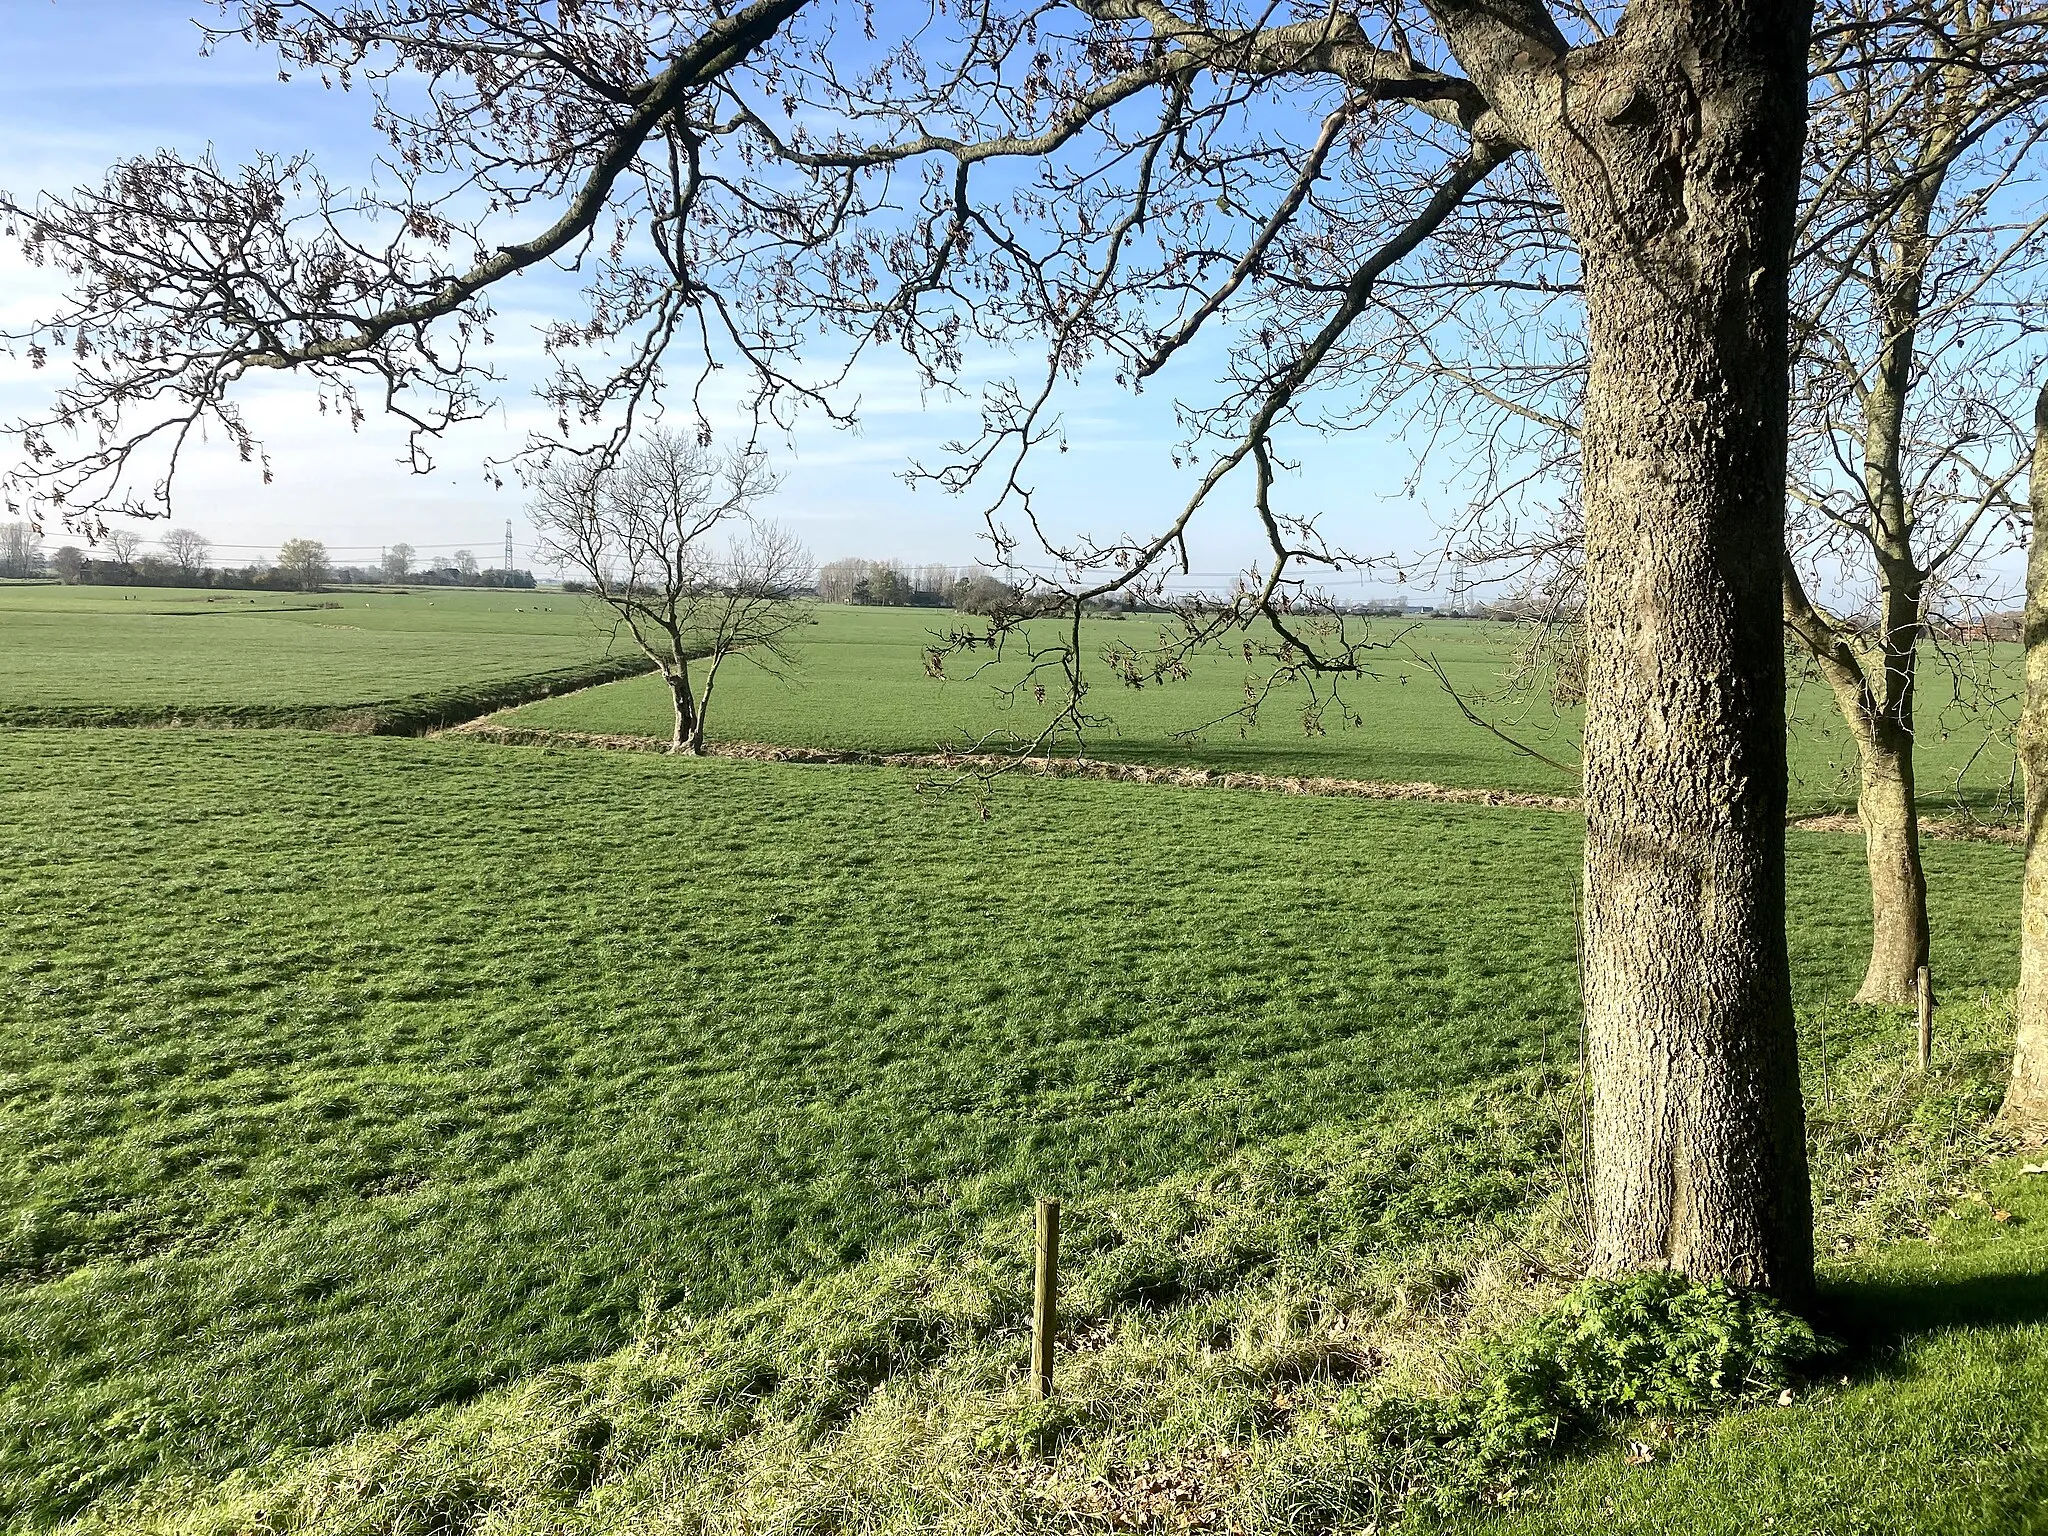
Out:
{"x": 1675, "y": 155}
{"x": 2026, "y": 1099}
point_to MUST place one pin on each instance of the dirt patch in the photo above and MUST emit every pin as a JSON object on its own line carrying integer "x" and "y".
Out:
{"x": 977, "y": 764}
{"x": 1952, "y": 828}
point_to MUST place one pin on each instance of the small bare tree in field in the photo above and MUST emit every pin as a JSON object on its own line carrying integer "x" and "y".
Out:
{"x": 123, "y": 544}
{"x": 1924, "y": 252}
{"x": 187, "y": 550}
{"x": 667, "y": 538}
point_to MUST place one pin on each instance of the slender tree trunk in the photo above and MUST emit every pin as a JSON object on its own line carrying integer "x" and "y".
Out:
{"x": 1887, "y": 804}
{"x": 688, "y": 734}
{"x": 696, "y": 743}
{"x": 1680, "y": 183}
{"x": 2026, "y": 1100}
{"x": 1889, "y": 811}
{"x": 1886, "y": 800}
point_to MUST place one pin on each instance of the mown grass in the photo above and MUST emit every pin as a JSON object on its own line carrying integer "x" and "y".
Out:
{"x": 1234, "y": 1337}
{"x": 113, "y": 655}
{"x": 349, "y": 1078}
{"x": 403, "y": 661}
{"x": 862, "y": 686}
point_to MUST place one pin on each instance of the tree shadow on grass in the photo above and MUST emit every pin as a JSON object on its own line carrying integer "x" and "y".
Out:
{"x": 1875, "y": 1316}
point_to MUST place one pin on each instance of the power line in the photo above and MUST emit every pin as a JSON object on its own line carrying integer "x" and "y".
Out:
{"x": 342, "y": 549}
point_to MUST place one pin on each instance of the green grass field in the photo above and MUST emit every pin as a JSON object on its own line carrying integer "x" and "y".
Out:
{"x": 434, "y": 1136}
{"x": 349, "y": 1077}
{"x": 862, "y": 686}
{"x": 113, "y": 654}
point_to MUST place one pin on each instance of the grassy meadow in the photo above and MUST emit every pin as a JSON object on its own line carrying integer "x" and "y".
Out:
{"x": 142, "y": 655}
{"x": 1944, "y": 1430}
{"x": 432, "y": 1136}
{"x": 862, "y": 686}
{"x": 352, "y": 1076}
{"x": 404, "y": 660}
{"x": 349, "y": 1077}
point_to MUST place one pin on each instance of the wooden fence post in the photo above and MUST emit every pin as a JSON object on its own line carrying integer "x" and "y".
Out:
{"x": 1924, "y": 991}
{"x": 1045, "y": 1314}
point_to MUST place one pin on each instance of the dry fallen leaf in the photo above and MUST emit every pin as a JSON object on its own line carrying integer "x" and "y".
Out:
{"x": 2034, "y": 1168}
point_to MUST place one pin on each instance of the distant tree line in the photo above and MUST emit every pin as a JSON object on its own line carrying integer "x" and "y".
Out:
{"x": 490, "y": 576}
{"x": 458, "y": 570}
{"x": 892, "y": 584}
{"x": 888, "y": 583}
{"x": 182, "y": 560}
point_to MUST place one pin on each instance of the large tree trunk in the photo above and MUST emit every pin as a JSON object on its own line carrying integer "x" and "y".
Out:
{"x": 1887, "y": 806}
{"x": 1676, "y": 158}
{"x": 2026, "y": 1100}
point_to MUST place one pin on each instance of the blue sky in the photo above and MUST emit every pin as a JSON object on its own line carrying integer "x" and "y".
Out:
{"x": 84, "y": 82}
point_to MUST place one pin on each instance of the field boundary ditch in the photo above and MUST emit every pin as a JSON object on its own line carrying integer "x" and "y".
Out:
{"x": 971, "y": 764}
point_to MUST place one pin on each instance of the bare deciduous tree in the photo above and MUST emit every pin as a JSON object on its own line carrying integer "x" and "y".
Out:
{"x": 666, "y": 537}
{"x": 123, "y": 544}
{"x": 934, "y": 582}
{"x": 465, "y": 564}
{"x": 20, "y": 550}
{"x": 398, "y": 563}
{"x": 1918, "y": 251}
{"x": 837, "y": 577}
{"x": 187, "y": 550}
{"x": 1921, "y": 250}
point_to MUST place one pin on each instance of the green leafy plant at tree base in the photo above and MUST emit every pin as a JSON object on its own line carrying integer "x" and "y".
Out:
{"x": 1648, "y": 1343}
